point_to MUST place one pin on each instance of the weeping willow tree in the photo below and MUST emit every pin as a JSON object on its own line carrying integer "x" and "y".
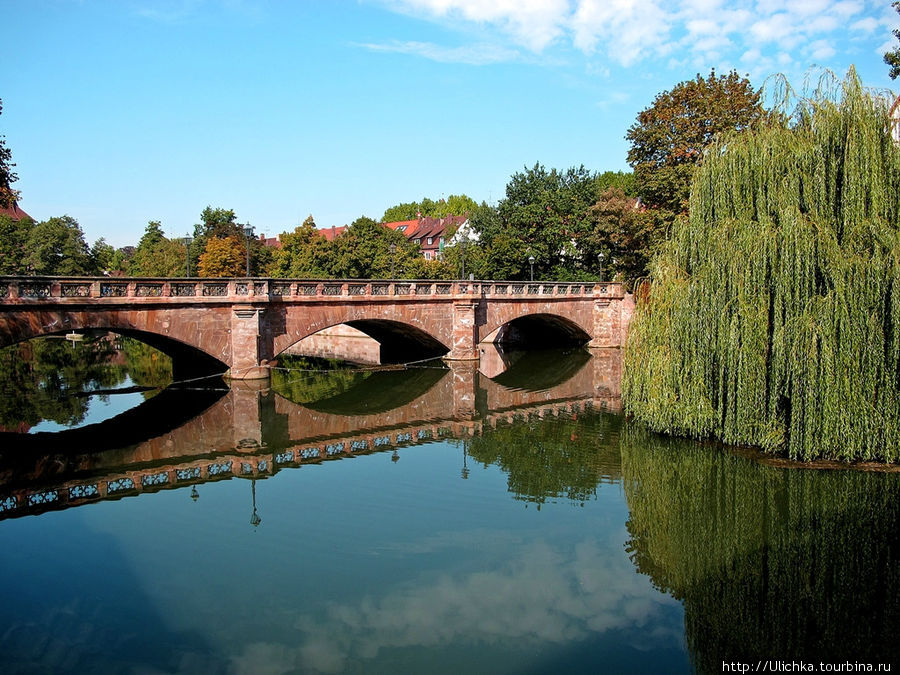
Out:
{"x": 773, "y": 313}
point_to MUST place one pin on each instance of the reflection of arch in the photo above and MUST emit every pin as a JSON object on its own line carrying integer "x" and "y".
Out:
{"x": 540, "y": 369}
{"x": 400, "y": 342}
{"x": 168, "y": 410}
{"x": 176, "y": 332}
{"x": 380, "y": 392}
{"x": 539, "y": 330}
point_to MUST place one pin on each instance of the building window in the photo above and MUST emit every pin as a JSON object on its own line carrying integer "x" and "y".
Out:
{"x": 427, "y": 255}
{"x": 402, "y": 228}
{"x": 430, "y": 240}
{"x": 418, "y": 241}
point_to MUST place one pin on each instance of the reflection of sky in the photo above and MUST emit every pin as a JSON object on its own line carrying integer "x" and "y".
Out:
{"x": 99, "y": 408}
{"x": 360, "y": 565}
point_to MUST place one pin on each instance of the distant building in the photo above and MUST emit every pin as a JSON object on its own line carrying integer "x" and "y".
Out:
{"x": 429, "y": 233}
{"x": 895, "y": 121}
{"x": 270, "y": 242}
{"x": 14, "y": 212}
{"x": 332, "y": 233}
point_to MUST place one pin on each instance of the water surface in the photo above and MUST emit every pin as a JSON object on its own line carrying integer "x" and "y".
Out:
{"x": 427, "y": 520}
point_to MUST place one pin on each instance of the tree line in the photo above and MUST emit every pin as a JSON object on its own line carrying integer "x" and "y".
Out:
{"x": 554, "y": 224}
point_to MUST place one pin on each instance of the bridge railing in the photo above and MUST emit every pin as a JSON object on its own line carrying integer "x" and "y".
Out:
{"x": 74, "y": 289}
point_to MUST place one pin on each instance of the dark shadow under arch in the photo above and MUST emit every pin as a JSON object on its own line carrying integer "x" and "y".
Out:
{"x": 400, "y": 342}
{"x": 540, "y": 331}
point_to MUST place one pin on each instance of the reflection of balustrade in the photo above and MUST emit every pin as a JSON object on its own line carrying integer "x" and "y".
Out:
{"x": 257, "y": 462}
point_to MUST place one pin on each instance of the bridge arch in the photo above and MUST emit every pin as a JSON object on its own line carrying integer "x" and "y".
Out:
{"x": 192, "y": 353}
{"x": 538, "y": 329}
{"x": 400, "y": 342}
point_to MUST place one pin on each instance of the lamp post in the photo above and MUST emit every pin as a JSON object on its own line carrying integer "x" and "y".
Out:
{"x": 600, "y": 257}
{"x": 462, "y": 249}
{"x": 531, "y": 263}
{"x": 248, "y": 232}
{"x": 393, "y": 248}
{"x": 187, "y": 254}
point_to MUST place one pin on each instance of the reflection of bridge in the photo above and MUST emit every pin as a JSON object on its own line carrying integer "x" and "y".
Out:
{"x": 253, "y": 433}
{"x": 210, "y": 325}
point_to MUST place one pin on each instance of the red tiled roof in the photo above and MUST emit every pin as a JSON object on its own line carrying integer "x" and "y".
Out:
{"x": 270, "y": 242}
{"x": 14, "y": 212}
{"x": 330, "y": 233}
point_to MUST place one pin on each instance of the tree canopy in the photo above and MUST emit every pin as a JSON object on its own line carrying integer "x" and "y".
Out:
{"x": 8, "y": 196}
{"x": 669, "y": 137}
{"x": 773, "y": 316}
{"x": 892, "y": 56}
{"x": 454, "y": 205}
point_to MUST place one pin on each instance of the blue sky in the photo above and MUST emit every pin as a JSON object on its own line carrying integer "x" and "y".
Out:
{"x": 118, "y": 112}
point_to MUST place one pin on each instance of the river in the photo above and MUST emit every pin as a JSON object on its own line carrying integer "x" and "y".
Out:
{"x": 493, "y": 517}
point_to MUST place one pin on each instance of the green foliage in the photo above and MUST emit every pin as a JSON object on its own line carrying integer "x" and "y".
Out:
{"x": 624, "y": 232}
{"x": 57, "y": 246}
{"x": 892, "y": 56}
{"x": 363, "y": 252}
{"x": 157, "y": 256}
{"x": 669, "y": 137}
{"x": 14, "y": 244}
{"x": 8, "y": 196}
{"x": 304, "y": 254}
{"x": 454, "y": 205}
{"x": 773, "y": 317}
{"x": 622, "y": 180}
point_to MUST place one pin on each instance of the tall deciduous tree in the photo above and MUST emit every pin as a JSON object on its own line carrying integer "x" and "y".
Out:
{"x": 8, "y": 196}
{"x": 304, "y": 253}
{"x": 223, "y": 257}
{"x": 363, "y": 252}
{"x": 57, "y": 246}
{"x": 454, "y": 205}
{"x": 892, "y": 57}
{"x": 624, "y": 232}
{"x": 669, "y": 137}
{"x": 14, "y": 244}
{"x": 548, "y": 212}
{"x": 158, "y": 256}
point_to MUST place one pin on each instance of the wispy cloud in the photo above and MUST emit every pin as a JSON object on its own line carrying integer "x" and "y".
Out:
{"x": 476, "y": 55}
{"x": 629, "y": 32}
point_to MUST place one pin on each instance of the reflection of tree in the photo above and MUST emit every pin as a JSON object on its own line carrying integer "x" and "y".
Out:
{"x": 40, "y": 379}
{"x": 147, "y": 367}
{"x": 303, "y": 379}
{"x": 770, "y": 563}
{"x": 553, "y": 458}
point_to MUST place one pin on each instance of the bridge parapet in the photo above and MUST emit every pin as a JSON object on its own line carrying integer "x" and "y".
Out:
{"x": 25, "y": 290}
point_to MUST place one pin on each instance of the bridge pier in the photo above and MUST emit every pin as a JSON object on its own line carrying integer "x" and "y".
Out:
{"x": 248, "y": 359}
{"x": 465, "y": 332}
{"x": 611, "y": 317}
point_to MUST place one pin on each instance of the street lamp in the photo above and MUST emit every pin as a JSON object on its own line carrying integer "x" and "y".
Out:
{"x": 187, "y": 254}
{"x": 393, "y": 248}
{"x": 600, "y": 257}
{"x": 531, "y": 262}
{"x": 248, "y": 232}
{"x": 462, "y": 249}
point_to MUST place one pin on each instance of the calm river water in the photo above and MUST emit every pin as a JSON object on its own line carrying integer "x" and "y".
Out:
{"x": 499, "y": 517}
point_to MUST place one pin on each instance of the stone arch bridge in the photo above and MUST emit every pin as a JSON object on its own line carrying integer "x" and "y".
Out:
{"x": 241, "y": 325}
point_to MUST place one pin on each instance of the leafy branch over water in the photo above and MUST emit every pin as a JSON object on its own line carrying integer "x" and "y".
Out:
{"x": 773, "y": 314}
